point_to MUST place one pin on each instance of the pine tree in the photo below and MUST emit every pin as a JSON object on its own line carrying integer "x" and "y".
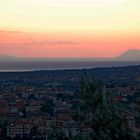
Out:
{"x": 102, "y": 112}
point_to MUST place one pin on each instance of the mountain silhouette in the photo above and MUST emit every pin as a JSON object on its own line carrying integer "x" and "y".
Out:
{"x": 130, "y": 55}
{"x": 7, "y": 58}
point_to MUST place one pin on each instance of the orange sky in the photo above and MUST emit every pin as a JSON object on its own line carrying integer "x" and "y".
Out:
{"x": 63, "y": 28}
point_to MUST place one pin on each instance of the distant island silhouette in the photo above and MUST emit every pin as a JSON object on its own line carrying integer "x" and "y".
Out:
{"x": 129, "y": 55}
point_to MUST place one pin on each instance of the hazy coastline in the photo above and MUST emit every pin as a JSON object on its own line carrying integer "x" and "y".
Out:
{"x": 59, "y": 65}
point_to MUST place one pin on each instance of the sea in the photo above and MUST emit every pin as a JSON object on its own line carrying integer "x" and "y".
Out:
{"x": 60, "y": 65}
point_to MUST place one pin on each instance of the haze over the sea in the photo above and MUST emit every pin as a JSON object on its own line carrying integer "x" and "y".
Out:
{"x": 60, "y": 65}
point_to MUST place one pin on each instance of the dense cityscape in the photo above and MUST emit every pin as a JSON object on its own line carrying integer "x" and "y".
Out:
{"x": 34, "y": 105}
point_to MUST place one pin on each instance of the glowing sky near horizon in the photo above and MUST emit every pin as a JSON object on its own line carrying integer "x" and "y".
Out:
{"x": 69, "y": 28}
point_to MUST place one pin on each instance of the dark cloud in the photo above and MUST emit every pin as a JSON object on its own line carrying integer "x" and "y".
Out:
{"x": 61, "y": 42}
{"x": 12, "y": 32}
{"x": 12, "y": 47}
{"x": 37, "y": 43}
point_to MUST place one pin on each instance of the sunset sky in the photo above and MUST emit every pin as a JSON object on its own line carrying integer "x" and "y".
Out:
{"x": 69, "y": 28}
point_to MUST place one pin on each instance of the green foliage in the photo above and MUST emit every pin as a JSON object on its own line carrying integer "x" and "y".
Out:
{"x": 47, "y": 107}
{"x": 102, "y": 112}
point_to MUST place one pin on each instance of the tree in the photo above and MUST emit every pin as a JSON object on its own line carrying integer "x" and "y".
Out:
{"x": 102, "y": 113}
{"x": 47, "y": 107}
